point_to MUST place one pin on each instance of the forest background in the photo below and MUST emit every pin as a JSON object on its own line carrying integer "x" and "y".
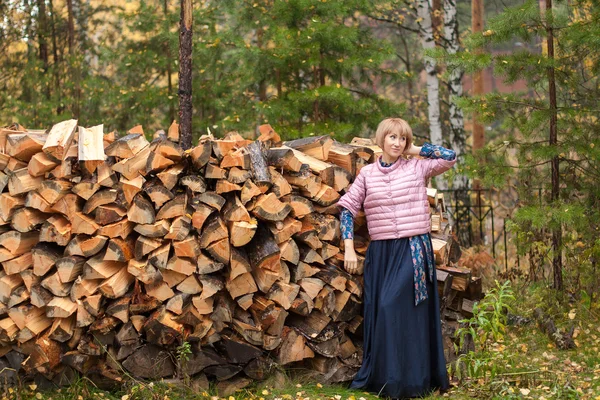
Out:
{"x": 314, "y": 67}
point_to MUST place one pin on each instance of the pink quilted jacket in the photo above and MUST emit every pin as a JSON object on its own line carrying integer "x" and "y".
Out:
{"x": 395, "y": 197}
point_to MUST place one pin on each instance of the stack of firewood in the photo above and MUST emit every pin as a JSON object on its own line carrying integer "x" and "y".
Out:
{"x": 458, "y": 287}
{"x": 115, "y": 251}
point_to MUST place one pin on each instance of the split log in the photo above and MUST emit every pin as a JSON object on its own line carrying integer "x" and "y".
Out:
{"x": 23, "y": 146}
{"x": 315, "y": 146}
{"x": 91, "y": 147}
{"x": 20, "y": 181}
{"x": 127, "y": 146}
{"x": 59, "y": 139}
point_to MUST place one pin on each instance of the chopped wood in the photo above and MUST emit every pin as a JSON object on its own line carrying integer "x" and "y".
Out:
{"x": 23, "y": 146}
{"x": 82, "y": 224}
{"x": 68, "y": 205}
{"x": 214, "y": 172}
{"x": 60, "y": 307}
{"x": 238, "y": 176}
{"x": 293, "y": 347}
{"x": 20, "y": 182}
{"x": 86, "y": 246}
{"x": 69, "y": 268}
{"x": 59, "y": 139}
{"x": 39, "y": 164}
{"x": 201, "y": 154}
{"x": 173, "y": 208}
{"x": 36, "y": 201}
{"x": 108, "y": 214}
{"x": 180, "y": 228}
{"x": 56, "y": 229}
{"x": 120, "y": 229}
{"x": 99, "y": 198}
{"x": 234, "y": 210}
{"x": 141, "y": 211}
{"x": 241, "y": 232}
{"x": 91, "y": 147}
{"x": 285, "y": 158}
{"x": 224, "y": 186}
{"x": 269, "y": 208}
{"x": 263, "y": 251}
{"x": 9, "y": 204}
{"x": 17, "y": 242}
{"x": 130, "y": 168}
{"x": 238, "y": 158}
{"x": 127, "y": 146}
{"x": 260, "y": 169}
{"x": 195, "y": 183}
{"x": 117, "y": 285}
{"x": 52, "y": 190}
{"x": 27, "y": 219}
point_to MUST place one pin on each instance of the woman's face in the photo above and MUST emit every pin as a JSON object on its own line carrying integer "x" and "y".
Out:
{"x": 394, "y": 145}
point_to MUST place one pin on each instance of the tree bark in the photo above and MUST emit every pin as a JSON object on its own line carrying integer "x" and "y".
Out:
{"x": 478, "y": 130}
{"x": 56, "y": 62}
{"x": 74, "y": 72}
{"x": 455, "y": 89}
{"x": 433, "y": 84}
{"x": 168, "y": 55}
{"x": 43, "y": 41}
{"x": 185, "y": 74}
{"x": 433, "y": 91}
{"x": 553, "y": 140}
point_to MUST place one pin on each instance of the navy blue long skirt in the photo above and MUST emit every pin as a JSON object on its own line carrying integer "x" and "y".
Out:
{"x": 403, "y": 352}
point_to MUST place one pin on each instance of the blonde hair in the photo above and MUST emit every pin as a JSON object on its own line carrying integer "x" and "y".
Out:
{"x": 393, "y": 125}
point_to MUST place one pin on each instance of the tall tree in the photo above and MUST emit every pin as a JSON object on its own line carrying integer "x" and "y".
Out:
{"x": 308, "y": 66}
{"x": 455, "y": 90}
{"x": 548, "y": 21}
{"x": 477, "y": 11}
{"x": 549, "y": 142}
{"x": 42, "y": 32}
{"x": 185, "y": 73}
{"x": 433, "y": 82}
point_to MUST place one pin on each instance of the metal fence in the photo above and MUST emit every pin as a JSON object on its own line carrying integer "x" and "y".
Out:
{"x": 476, "y": 222}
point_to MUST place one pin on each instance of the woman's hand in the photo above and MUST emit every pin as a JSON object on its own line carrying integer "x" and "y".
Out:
{"x": 350, "y": 259}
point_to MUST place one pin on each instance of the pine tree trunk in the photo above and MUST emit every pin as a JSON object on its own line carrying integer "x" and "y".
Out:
{"x": 553, "y": 140}
{"x": 478, "y": 130}
{"x": 168, "y": 55}
{"x": 43, "y": 41}
{"x": 56, "y": 63}
{"x": 455, "y": 90}
{"x": 74, "y": 71}
{"x": 185, "y": 74}
{"x": 433, "y": 84}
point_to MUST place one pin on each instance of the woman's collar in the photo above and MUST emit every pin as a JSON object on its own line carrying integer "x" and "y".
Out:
{"x": 392, "y": 167}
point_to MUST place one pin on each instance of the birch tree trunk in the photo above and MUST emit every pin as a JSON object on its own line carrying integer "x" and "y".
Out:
{"x": 433, "y": 83}
{"x": 455, "y": 90}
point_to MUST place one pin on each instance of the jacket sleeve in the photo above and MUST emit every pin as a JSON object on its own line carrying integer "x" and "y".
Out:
{"x": 355, "y": 196}
{"x": 438, "y": 160}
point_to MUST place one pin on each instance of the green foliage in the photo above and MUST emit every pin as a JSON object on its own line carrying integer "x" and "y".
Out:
{"x": 304, "y": 66}
{"x": 487, "y": 324}
{"x": 489, "y": 317}
{"x": 517, "y": 145}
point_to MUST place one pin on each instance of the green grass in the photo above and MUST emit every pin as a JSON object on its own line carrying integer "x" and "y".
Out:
{"x": 525, "y": 364}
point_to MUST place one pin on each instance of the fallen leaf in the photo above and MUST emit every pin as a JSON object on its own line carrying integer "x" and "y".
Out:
{"x": 524, "y": 391}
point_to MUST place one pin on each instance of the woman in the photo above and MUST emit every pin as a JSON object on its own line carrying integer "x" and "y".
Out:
{"x": 403, "y": 352}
